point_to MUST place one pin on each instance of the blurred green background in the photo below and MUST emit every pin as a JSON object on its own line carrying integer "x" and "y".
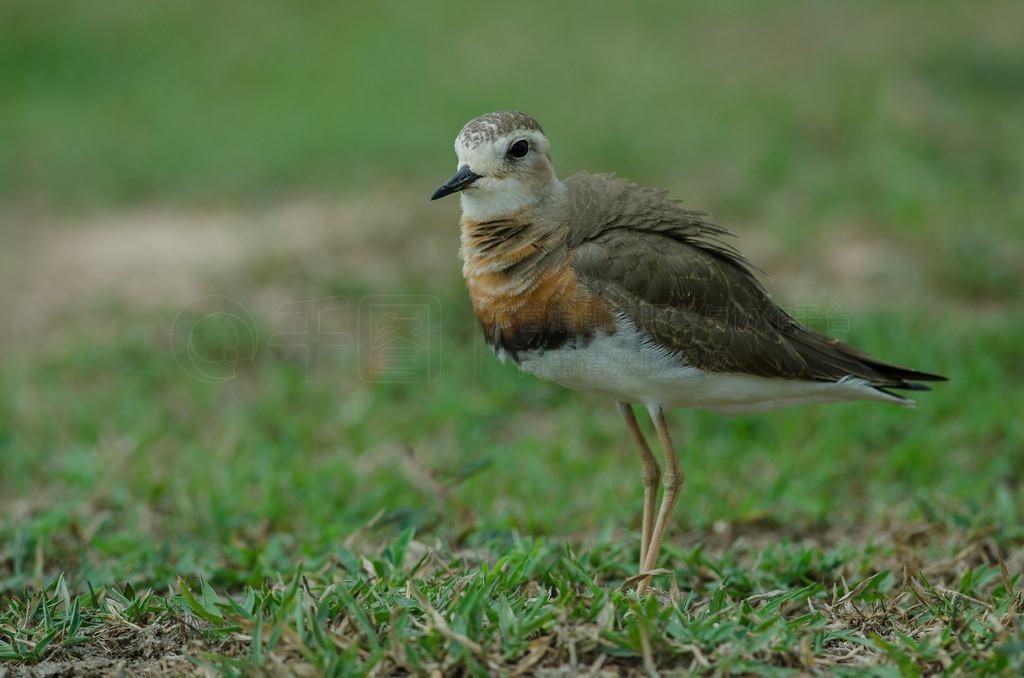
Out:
{"x": 254, "y": 154}
{"x": 894, "y": 103}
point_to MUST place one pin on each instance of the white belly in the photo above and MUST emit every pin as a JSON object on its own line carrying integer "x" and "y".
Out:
{"x": 613, "y": 367}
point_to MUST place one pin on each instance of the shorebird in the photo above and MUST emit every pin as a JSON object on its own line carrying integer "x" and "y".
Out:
{"x": 613, "y": 289}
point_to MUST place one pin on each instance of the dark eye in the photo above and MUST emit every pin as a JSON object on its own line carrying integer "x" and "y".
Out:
{"x": 519, "y": 149}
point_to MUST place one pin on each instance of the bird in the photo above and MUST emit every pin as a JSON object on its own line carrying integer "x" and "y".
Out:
{"x": 614, "y": 289}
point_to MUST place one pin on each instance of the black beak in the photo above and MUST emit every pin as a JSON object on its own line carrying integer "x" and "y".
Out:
{"x": 463, "y": 179}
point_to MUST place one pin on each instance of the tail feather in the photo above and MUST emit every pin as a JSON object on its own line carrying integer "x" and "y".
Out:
{"x": 894, "y": 376}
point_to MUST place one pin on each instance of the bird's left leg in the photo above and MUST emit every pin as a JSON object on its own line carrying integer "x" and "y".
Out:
{"x": 672, "y": 482}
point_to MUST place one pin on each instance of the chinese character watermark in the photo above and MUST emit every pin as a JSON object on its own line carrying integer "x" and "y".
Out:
{"x": 400, "y": 338}
{"x": 394, "y": 339}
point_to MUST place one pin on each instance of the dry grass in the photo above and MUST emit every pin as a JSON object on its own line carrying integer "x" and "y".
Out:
{"x": 898, "y": 608}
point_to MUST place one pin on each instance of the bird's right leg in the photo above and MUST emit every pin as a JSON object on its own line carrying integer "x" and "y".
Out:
{"x": 650, "y": 476}
{"x": 673, "y": 482}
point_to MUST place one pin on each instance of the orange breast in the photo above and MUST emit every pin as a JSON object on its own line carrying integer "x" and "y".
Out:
{"x": 542, "y": 307}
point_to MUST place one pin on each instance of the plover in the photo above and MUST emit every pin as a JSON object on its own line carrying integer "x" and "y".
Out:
{"x": 614, "y": 289}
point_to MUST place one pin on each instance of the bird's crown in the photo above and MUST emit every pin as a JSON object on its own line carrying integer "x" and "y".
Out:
{"x": 492, "y": 126}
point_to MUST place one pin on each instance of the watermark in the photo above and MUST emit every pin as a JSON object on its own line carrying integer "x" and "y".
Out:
{"x": 314, "y": 338}
{"x": 397, "y": 338}
{"x": 393, "y": 339}
{"x": 837, "y": 320}
{"x": 834, "y": 320}
{"x": 211, "y": 336}
{"x": 400, "y": 338}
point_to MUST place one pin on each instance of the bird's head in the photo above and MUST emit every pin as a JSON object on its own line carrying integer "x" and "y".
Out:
{"x": 504, "y": 163}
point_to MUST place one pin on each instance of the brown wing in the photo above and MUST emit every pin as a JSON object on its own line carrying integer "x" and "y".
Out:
{"x": 666, "y": 269}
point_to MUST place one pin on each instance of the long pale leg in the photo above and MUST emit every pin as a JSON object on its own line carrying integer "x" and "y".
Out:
{"x": 650, "y": 476}
{"x": 672, "y": 481}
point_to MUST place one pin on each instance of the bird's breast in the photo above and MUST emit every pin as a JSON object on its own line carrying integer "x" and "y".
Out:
{"x": 525, "y": 292}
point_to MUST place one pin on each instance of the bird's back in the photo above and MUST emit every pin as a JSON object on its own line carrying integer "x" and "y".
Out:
{"x": 667, "y": 271}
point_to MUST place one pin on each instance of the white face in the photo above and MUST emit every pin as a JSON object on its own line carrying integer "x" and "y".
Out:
{"x": 515, "y": 172}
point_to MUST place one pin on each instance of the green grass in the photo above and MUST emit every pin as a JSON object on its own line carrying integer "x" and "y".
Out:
{"x": 403, "y": 611}
{"x": 281, "y": 515}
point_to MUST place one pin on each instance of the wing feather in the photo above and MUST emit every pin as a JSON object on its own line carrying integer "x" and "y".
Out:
{"x": 669, "y": 272}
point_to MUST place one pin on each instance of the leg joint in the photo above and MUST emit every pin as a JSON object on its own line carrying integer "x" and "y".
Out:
{"x": 673, "y": 478}
{"x": 650, "y": 475}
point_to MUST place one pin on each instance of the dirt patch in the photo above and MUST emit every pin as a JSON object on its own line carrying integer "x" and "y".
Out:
{"x": 54, "y": 269}
{"x": 122, "y": 649}
{"x": 853, "y": 269}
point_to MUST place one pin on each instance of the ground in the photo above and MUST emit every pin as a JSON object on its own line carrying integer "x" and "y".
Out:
{"x": 248, "y": 424}
{"x": 860, "y": 587}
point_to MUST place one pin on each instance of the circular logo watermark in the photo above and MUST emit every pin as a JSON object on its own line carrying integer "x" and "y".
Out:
{"x": 211, "y": 336}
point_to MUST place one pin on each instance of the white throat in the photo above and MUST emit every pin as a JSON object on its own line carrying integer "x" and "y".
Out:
{"x": 480, "y": 204}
